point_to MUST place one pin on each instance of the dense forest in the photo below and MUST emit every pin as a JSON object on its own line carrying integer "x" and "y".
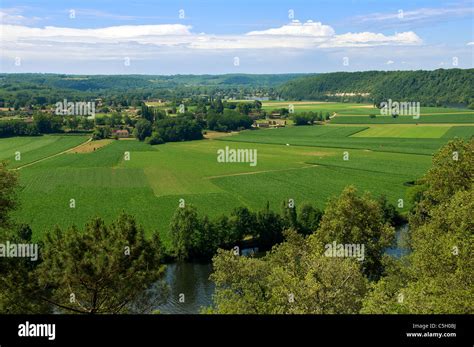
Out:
{"x": 430, "y": 88}
{"x": 22, "y": 90}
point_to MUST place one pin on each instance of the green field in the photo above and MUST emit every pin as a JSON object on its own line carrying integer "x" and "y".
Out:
{"x": 351, "y": 108}
{"x": 315, "y": 136}
{"x": 35, "y": 148}
{"x": 152, "y": 182}
{"x": 447, "y": 118}
{"x": 303, "y": 163}
{"x": 400, "y": 131}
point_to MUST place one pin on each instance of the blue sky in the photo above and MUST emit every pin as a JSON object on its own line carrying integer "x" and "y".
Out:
{"x": 209, "y": 36}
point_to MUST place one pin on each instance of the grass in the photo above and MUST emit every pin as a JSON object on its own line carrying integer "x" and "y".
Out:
{"x": 382, "y": 158}
{"x": 447, "y": 118}
{"x": 35, "y": 148}
{"x": 465, "y": 132}
{"x": 150, "y": 185}
{"x": 400, "y": 131}
{"x": 316, "y": 106}
{"x": 314, "y": 136}
{"x": 349, "y": 108}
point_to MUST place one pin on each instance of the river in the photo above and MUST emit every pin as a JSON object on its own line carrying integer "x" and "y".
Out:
{"x": 192, "y": 280}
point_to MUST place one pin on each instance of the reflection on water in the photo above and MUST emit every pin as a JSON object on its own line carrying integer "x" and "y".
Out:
{"x": 192, "y": 280}
{"x": 400, "y": 248}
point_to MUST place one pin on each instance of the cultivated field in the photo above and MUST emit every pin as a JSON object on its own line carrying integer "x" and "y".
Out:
{"x": 303, "y": 163}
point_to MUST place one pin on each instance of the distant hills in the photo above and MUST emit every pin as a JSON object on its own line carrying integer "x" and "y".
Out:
{"x": 438, "y": 87}
{"x": 452, "y": 86}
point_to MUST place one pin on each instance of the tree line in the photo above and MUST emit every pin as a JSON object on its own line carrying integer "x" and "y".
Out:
{"x": 442, "y": 87}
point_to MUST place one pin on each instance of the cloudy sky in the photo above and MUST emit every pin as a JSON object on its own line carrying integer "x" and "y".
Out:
{"x": 217, "y": 36}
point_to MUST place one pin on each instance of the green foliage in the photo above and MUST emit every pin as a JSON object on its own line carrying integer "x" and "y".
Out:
{"x": 353, "y": 219}
{"x": 143, "y": 129}
{"x": 428, "y": 87}
{"x": 436, "y": 277}
{"x": 17, "y": 128}
{"x": 102, "y": 269}
{"x": 293, "y": 278}
{"x": 178, "y": 129}
{"x": 154, "y": 139}
{"x": 47, "y": 124}
{"x": 452, "y": 171}
{"x": 102, "y": 132}
{"x": 183, "y": 226}
{"x": 229, "y": 121}
{"x": 309, "y": 218}
{"x": 305, "y": 118}
{"x": 8, "y": 194}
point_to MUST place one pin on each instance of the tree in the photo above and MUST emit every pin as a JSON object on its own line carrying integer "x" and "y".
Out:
{"x": 87, "y": 124}
{"x": 8, "y": 186}
{"x": 101, "y": 132}
{"x": 154, "y": 139}
{"x": 309, "y": 218}
{"x": 103, "y": 269}
{"x": 16, "y": 274}
{"x": 451, "y": 171}
{"x": 436, "y": 277}
{"x": 184, "y": 225}
{"x": 143, "y": 129}
{"x": 293, "y": 278}
{"x": 72, "y": 122}
{"x": 242, "y": 223}
{"x": 353, "y": 219}
{"x": 269, "y": 228}
{"x": 181, "y": 128}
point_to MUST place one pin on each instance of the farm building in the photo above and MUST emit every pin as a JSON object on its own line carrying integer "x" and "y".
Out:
{"x": 271, "y": 123}
{"x": 122, "y": 133}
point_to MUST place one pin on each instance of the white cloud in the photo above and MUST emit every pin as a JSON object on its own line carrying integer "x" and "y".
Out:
{"x": 296, "y": 28}
{"x": 389, "y": 62}
{"x": 418, "y": 15}
{"x": 295, "y": 35}
{"x": 11, "y": 16}
{"x": 176, "y": 42}
{"x": 470, "y": 43}
{"x": 367, "y": 39}
{"x": 137, "y": 33}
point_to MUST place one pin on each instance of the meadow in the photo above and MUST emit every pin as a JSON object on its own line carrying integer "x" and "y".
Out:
{"x": 352, "y": 137}
{"x": 307, "y": 164}
{"x": 447, "y": 118}
{"x": 354, "y": 109}
{"x": 35, "y": 148}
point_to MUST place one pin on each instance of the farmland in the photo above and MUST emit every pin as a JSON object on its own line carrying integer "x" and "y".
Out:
{"x": 304, "y": 163}
{"x": 448, "y": 118}
{"x": 353, "y": 109}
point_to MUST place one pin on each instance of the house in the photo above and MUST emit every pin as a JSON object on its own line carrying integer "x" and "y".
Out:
{"x": 122, "y": 133}
{"x": 271, "y": 123}
{"x": 264, "y": 124}
{"x": 277, "y": 123}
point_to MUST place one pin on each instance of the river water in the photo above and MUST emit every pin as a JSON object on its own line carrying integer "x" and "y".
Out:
{"x": 190, "y": 288}
{"x": 192, "y": 280}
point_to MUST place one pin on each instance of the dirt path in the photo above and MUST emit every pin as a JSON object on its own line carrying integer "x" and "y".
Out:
{"x": 53, "y": 155}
